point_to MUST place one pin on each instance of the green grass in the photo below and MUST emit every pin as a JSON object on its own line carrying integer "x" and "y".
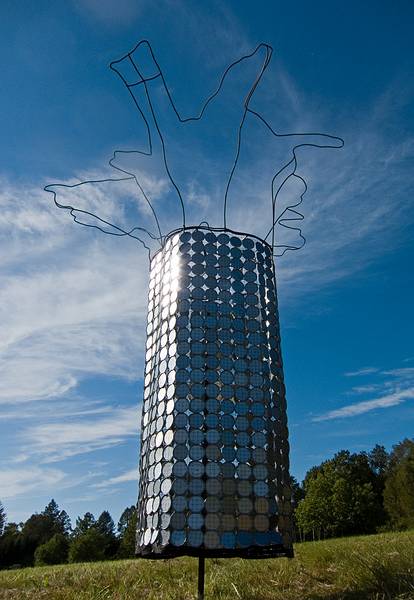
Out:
{"x": 370, "y": 568}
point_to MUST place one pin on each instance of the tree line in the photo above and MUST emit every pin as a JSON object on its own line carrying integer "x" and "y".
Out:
{"x": 349, "y": 494}
{"x": 358, "y": 493}
{"x": 47, "y": 538}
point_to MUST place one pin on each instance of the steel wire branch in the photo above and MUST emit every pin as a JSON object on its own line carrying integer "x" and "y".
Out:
{"x": 288, "y": 215}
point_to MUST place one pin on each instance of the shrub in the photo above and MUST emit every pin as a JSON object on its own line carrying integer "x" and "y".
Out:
{"x": 53, "y": 552}
{"x": 87, "y": 547}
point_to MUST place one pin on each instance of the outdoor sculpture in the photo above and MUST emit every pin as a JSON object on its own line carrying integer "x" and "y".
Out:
{"x": 214, "y": 460}
{"x": 214, "y": 477}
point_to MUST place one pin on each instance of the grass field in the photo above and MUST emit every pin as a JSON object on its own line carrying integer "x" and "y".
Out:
{"x": 371, "y": 567}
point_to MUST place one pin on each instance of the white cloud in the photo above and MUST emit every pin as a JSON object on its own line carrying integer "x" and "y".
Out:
{"x": 71, "y": 303}
{"x": 390, "y": 392}
{"x": 363, "y": 371}
{"x": 352, "y": 410}
{"x": 131, "y": 475}
{"x": 114, "y": 14}
{"x": 15, "y": 482}
{"x": 406, "y": 372}
{"x": 31, "y": 379}
{"x": 53, "y": 442}
{"x": 61, "y": 409}
{"x": 401, "y": 378}
{"x": 365, "y": 389}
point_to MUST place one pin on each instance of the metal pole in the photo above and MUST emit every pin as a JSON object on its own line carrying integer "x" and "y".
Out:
{"x": 201, "y": 578}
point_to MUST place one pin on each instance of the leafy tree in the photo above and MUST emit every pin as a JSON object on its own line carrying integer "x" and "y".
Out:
{"x": 127, "y": 529}
{"x": 401, "y": 451}
{"x": 343, "y": 497}
{"x": 314, "y": 514}
{"x": 297, "y": 491}
{"x": 2, "y": 518}
{"x": 11, "y": 545}
{"x": 37, "y": 529}
{"x": 83, "y": 524}
{"x": 297, "y": 494}
{"x": 378, "y": 459}
{"x": 399, "y": 486}
{"x": 40, "y": 528}
{"x": 87, "y": 547}
{"x": 53, "y": 552}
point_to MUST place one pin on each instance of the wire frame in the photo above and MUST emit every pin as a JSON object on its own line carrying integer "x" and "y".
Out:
{"x": 214, "y": 469}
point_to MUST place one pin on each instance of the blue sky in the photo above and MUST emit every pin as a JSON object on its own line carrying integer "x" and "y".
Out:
{"x": 73, "y": 301}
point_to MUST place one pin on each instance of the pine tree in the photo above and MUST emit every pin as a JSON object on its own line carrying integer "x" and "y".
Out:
{"x": 105, "y": 524}
{"x": 59, "y": 518}
{"x": 106, "y": 527}
{"x": 83, "y": 524}
{"x": 124, "y": 519}
{"x": 127, "y": 527}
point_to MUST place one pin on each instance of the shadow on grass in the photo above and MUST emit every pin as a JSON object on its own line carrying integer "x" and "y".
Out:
{"x": 362, "y": 594}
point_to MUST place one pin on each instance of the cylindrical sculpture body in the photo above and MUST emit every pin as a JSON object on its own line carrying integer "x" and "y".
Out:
{"x": 214, "y": 477}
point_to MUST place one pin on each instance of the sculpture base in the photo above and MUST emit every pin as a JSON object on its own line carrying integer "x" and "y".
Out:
{"x": 253, "y": 552}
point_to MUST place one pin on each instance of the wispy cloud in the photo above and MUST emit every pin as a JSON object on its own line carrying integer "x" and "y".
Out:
{"x": 78, "y": 407}
{"x": 352, "y": 410}
{"x": 131, "y": 475}
{"x": 363, "y": 371}
{"x": 53, "y": 442}
{"x": 355, "y": 195}
{"x": 112, "y": 14}
{"x": 365, "y": 389}
{"x": 390, "y": 392}
{"x": 15, "y": 482}
{"x": 71, "y": 303}
{"x": 405, "y": 372}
